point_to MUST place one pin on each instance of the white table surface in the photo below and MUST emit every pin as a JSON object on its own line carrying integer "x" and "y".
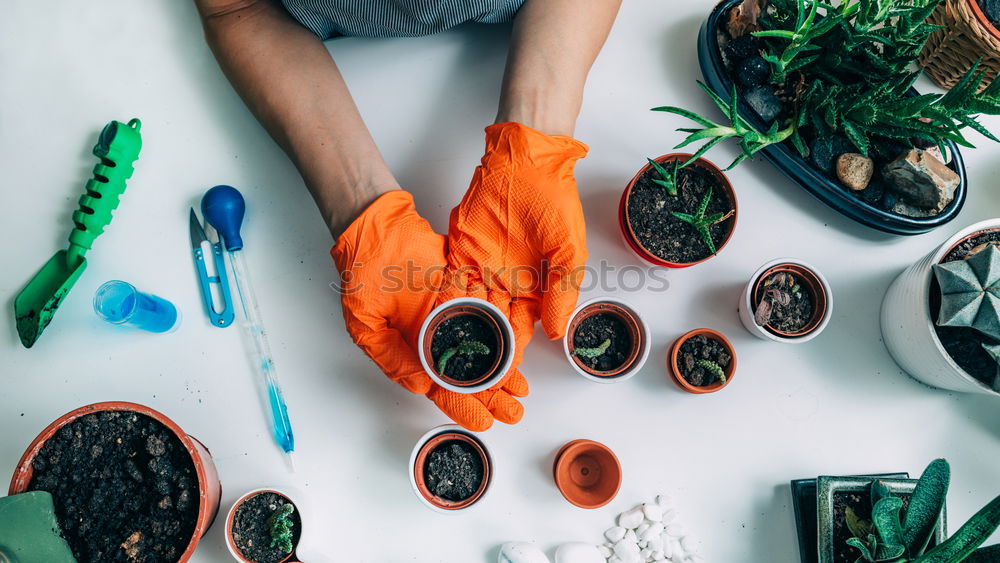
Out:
{"x": 837, "y": 405}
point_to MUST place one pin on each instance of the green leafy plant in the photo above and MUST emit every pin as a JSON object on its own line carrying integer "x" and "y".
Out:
{"x": 800, "y": 39}
{"x": 668, "y": 178}
{"x": 701, "y": 223}
{"x": 713, "y": 368}
{"x": 890, "y": 538}
{"x": 465, "y": 348}
{"x": 593, "y": 352}
{"x": 279, "y": 525}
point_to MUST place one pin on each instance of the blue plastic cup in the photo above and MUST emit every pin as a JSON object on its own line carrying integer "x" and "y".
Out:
{"x": 121, "y": 303}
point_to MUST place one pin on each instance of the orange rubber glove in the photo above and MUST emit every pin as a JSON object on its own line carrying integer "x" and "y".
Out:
{"x": 384, "y": 305}
{"x": 518, "y": 237}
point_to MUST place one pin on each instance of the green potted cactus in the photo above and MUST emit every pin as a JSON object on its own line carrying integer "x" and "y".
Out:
{"x": 899, "y": 521}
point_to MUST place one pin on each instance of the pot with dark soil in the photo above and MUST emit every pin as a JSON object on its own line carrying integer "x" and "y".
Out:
{"x": 702, "y": 361}
{"x": 606, "y": 340}
{"x": 786, "y": 300}
{"x": 450, "y": 469}
{"x": 678, "y": 211}
{"x": 127, "y": 483}
{"x": 263, "y": 526}
{"x": 466, "y": 345}
{"x": 939, "y": 317}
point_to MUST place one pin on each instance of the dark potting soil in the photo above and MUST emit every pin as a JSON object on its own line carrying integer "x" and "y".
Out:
{"x": 651, "y": 208}
{"x": 252, "y": 533}
{"x": 701, "y": 347}
{"x": 992, "y": 10}
{"x": 125, "y": 489}
{"x": 795, "y": 315}
{"x": 861, "y": 504}
{"x": 594, "y": 331}
{"x": 963, "y": 344}
{"x": 465, "y": 328}
{"x": 454, "y": 471}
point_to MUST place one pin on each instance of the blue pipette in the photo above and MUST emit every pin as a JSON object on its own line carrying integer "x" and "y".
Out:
{"x": 224, "y": 207}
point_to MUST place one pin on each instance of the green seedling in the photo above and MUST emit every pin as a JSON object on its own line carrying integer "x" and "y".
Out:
{"x": 466, "y": 348}
{"x": 669, "y": 177}
{"x": 593, "y": 352}
{"x": 280, "y": 526}
{"x": 713, "y": 368}
{"x": 701, "y": 223}
{"x": 801, "y": 39}
{"x": 891, "y": 538}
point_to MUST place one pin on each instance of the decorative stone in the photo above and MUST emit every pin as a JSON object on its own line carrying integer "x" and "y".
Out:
{"x": 605, "y": 551}
{"x": 764, "y": 102}
{"x": 936, "y": 152}
{"x": 521, "y": 552}
{"x": 753, "y": 72}
{"x": 578, "y": 552}
{"x": 855, "y": 170}
{"x": 922, "y": 180}
{"x": 823, "y": 154}
{"x": 615, "y": 534}
{"x": 630, "y": 519}
{"x": 652, "y": 512}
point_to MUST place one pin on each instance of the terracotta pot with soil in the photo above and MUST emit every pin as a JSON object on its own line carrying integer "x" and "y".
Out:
{"x": 606, "y": 340}
{"x": 587, "y": 473}
{"x": 683, "y": 228}
{"x": 127, "y": 483}
{"x": 702, "y": 361}
{"x": 450, "y": 469}
{"x": 838, "y": 496}
{"x": 948, "y": 357}
{"x": 263, "y": 526}
{"x": 786, "y": 300}
{"x": 466, "y": 345}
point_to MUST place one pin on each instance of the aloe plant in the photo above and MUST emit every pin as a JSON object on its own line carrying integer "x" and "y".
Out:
{"x": 970, "y": 292}
{"x": 465, "y": 348}
{"x": 280, "y": 527}
{"x": 890, "y": 538}
{"x": 593, "y": 352}
{"x": 668, "y": 177}
{"x": 701, "y": 223}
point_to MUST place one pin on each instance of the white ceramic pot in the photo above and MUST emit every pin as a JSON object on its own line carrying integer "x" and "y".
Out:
{"x": 645, "y": 338}
{"x": 907, "y": 328}
{"x": 507, "y": 334}
{"x": 746, "y": 309}
{"x": 433, "y": 433}
{"x": 311, "y": 547}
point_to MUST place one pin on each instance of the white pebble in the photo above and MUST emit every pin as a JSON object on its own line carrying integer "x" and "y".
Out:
{"x": 653, "y": 531}
{"x": 606, "y": 551}
{"x": 655, "y": 543}
{"x": 664, "y": 501}
{"x": 521, "y": 552}
{"x": 676, "y": 529}
{"x": 615, "y": 534}
{"x": 578, "y": 552}
{"x": 641, "y": 529}
{"x": 646, "y": 554}
{"x": 626, "y": 550}
{"x": 669, "y": 515}
{"x": 658, "y": 556}
{"x": 668, "y": 546}
{"x": 631, "y": 518}
{"x": 652, "y": 512}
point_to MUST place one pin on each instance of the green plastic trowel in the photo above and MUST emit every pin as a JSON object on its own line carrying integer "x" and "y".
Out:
{"x": 118, "y": 148}
{"x": 29, "y": 531}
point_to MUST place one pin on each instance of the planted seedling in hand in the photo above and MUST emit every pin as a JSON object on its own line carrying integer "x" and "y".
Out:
{"x": 701, "y": 223}
{"x": 593, "y": 352}
{"x": 465, "y": 348}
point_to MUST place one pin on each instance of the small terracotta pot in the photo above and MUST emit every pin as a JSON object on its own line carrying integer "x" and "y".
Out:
{"x": 638, "y": 332}
{"x": 984, "y": 21}
{"x": 209, "y": 487}
{"x": 626, "y": 226}
{"x": 231, "y": 543}
{"x": 815, "y": 283}
{"x": 587, "y": 473}
{"x": 418, "y": 462}
{"x": 675, "y": 371}
{"x": 498, "y": 324}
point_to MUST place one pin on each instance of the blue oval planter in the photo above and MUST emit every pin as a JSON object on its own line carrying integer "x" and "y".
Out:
{"x": 785, "y": 158}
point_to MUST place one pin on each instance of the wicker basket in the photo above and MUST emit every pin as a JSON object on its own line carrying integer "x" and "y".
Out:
{"x": 967, "y": 36}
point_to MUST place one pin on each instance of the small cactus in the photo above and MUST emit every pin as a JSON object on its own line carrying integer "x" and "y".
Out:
{"x": 466, "y": 348}
{"x": 713, "y": 368}
{"x": 281, "y": 527}
{"x": 970, "y": 292}
{"x": 593, "y": 352}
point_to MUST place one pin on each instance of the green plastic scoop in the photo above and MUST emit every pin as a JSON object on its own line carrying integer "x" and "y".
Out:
{"x": 29, "y": 532}
{"x": 118, "y": 148}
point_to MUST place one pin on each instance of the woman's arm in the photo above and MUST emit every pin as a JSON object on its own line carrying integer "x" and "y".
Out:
{"x": 553, "y": 47}
{"x": 289, "y": 81}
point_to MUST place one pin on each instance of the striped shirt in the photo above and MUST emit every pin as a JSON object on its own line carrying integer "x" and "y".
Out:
{"x": 395, "y": 18}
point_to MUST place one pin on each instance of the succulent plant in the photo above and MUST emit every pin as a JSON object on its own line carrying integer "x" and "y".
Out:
{"x": 889, "y": 538}
{"x": 713, "y": 368}
{"x": 970, "y": 292}
{"x": 593, "y": 352}
{"x": 701, "y": 223}
{"x": 465, "y": 348}
{"x": 669, "y": 177}
{"x": 280, "y": 526}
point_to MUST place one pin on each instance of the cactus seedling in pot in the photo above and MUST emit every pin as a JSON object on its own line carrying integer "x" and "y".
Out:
{"x": 263, "y": 526}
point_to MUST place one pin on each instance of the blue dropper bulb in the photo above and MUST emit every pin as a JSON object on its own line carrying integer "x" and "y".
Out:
{"x": 223, "y": 208}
